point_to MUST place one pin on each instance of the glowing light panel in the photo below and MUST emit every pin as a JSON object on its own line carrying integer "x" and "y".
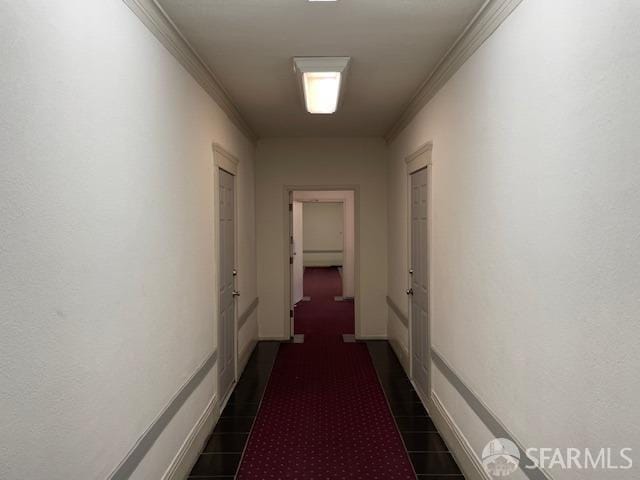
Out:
{"x": 321, "y": 91}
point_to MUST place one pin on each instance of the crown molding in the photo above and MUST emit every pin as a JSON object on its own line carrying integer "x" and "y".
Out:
{"x": 158, "y": 22}
{"x": 483, "y": 24}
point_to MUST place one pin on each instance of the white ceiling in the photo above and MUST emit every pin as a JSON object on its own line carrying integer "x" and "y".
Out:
{"x": 249, "y": 46}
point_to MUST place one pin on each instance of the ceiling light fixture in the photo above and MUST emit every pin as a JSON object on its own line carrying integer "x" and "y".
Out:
{"x": 321, "y": 81}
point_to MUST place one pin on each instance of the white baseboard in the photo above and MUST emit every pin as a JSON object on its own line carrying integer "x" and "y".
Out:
{"x": 187, "y": 456}
{"x": 458, "y": 444}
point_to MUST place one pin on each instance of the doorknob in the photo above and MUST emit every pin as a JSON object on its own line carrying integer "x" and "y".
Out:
{"x": 410, "y": 291}
{"x": 235, "y": 293}
{"x": 235, "y": 272}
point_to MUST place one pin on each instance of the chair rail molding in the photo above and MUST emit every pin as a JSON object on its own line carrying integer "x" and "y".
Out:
{"x": 398, "y": 312}
{"x": 158, "y": 22}
{"x": 491, "y": 421}
{"x": 244, "y": 316}
{"x": 483, "y": 24}
{"x": 144, "y": 443}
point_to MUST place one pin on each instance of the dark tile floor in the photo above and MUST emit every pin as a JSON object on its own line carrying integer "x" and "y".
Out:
{"x": 223, "y": 451}
{"x": 221, "y": 455}
{"x": 428, "y": 452}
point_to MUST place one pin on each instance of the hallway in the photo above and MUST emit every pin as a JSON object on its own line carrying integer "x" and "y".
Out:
{"x": 330, "y": 407}
{"x": 319, "y": 239}
{"x": 324, "y": 414}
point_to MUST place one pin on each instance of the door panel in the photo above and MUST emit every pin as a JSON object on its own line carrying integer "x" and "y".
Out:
{"x": 419, "y": 280}
{"x": 226, "y": 299}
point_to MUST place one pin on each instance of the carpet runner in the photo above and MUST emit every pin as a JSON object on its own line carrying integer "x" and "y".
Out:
{"x": 324, "y": 414}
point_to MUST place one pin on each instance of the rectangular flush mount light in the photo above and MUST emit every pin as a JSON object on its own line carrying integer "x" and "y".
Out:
{"x": 321, "y": 81}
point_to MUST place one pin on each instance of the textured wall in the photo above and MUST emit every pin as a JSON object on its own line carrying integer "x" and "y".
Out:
{"x": 536, "y": 227}
{"x": 106, "y": 235}
{"x": 321, "y": 162}
{"x": 323, "y": 234}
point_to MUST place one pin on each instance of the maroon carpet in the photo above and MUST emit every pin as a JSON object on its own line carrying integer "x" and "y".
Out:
{"x": 323, "y": 316}
{"x": 324, "y": 415}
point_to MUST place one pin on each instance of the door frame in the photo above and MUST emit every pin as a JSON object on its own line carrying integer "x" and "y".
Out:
{"x": 287, "y": 232}
{"x": 299, "y": 253}
{"x": 223, "y": 160}
{"x": 416, "y": 161}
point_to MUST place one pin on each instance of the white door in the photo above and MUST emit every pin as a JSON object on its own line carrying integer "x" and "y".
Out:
{"x": 298, "y": 264}
{"x": 291, "y": 274}
{"x": 419, "y": 290}
{"x": 227, "y": 293}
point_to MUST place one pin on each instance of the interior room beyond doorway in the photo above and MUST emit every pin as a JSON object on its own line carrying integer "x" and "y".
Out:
{"x": 323, "y": 248}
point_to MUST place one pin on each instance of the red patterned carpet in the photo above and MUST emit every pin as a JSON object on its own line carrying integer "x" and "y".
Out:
{"x": 324, "y": 415}
{"x": 323, "y": 316}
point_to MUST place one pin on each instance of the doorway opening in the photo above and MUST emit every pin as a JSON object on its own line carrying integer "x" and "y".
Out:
{"x": 322, "y": 261}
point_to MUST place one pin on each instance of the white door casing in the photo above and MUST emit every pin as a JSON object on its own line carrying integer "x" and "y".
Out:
{"x": 298, "y": 258}
{"x": 290, "y": 276}
{"x": 288, "y": 232}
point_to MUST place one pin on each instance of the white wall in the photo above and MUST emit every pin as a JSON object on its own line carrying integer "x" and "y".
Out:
{"x": 310, "y": 162}
{"x": 323, "y": 224}
{"x": 106, "y": 235}
{"x": 536, "y": 224}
